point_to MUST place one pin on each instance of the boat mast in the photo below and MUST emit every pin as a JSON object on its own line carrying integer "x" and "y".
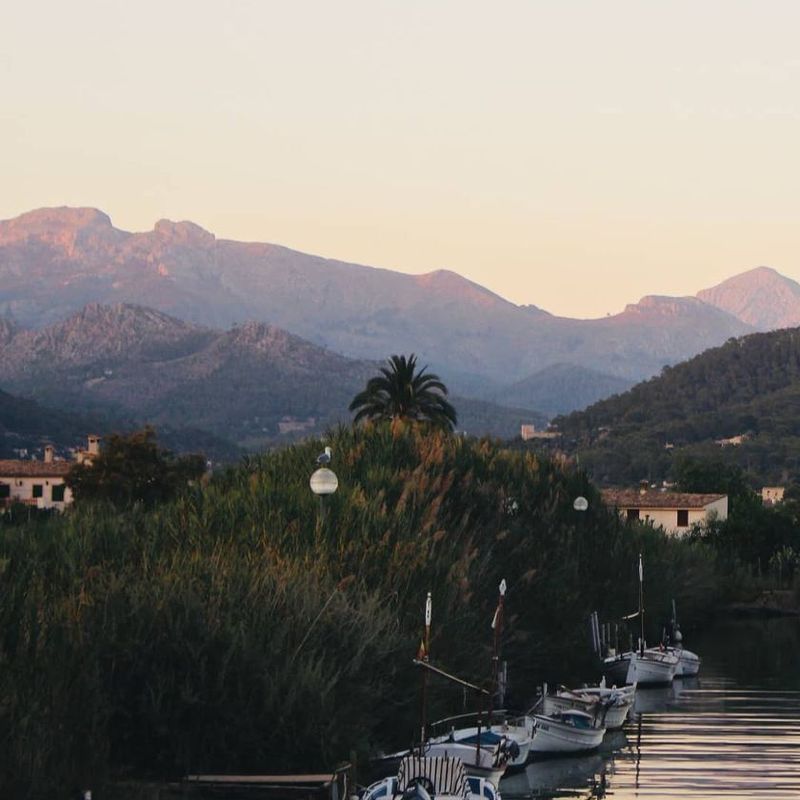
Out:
{"x": 641, "y": 607}
{"x": 424, "y": 656}
{"x": 497, "y": 624}
{"x": 497, "y": 627}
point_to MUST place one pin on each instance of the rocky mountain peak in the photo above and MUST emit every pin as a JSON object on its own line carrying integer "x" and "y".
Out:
{"x": 184, "y": 233}
{"x": 761, "y": 297}
{"x": 66, "y": 228}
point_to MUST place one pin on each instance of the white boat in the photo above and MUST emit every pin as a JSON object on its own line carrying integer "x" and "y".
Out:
{"x": 608, "y": 707}
{"x": 688, "y": 662}
{"x": 565, "y": 732}
{"x": 645, "y": 667}
{"x": 423, "y": 777}
{"x": 513, "y": 739}
{"x": 491, "y": 730}
{"x": 652, "y": 667}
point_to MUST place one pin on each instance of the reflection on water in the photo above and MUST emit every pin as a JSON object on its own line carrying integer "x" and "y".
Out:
{"x": 732, "y": 732}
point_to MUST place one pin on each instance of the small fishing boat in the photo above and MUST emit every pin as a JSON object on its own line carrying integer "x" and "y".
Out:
{"x": 608, "y": 707}
{"x": 513, "y": 739}
{"x": 424, "y": 777}
{"x": 652, "y": 667}
{"x": 688, "y": 662}
{"x": 569, "y": 731}
{"x": 493, "y": 728}
{"x": 645, "y": 666}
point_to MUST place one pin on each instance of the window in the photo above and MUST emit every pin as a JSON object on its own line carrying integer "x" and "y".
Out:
{"x": 683, "y": 518}
{"x": 38, "y": 490}
{"x": 58, "y": 493}
{"x": 633, "y": 513}
{"x": 5, "y": 491}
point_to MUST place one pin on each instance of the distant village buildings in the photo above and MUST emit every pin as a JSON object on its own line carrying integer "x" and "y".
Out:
{"x": 675, "y": 512}
{"x": 40, "y": 484}
{"x": 733, "y": 441}
{"x": 528, "y": 432}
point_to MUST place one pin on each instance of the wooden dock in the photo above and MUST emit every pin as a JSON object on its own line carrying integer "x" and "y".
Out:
{"x": 334, "y": 785}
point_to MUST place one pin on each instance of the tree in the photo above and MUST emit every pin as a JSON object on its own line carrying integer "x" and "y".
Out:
{"x": 133, "y": 468}
{"x": 402, "y": 391}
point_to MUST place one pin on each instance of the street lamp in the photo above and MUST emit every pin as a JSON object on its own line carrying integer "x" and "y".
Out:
{"x": 323, "y": 481}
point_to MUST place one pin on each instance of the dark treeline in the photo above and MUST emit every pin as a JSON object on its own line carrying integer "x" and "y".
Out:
{"x": 234, "y": 629}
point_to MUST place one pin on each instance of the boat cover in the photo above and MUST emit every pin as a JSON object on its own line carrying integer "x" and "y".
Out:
{"x": 446, "y": 774}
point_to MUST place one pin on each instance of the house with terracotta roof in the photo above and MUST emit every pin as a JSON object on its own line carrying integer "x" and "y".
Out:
{"x": 675, "y": 512}
{"x": 40, "y": 484}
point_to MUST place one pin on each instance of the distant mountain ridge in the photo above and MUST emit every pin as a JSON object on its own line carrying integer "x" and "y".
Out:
{"x": 254, "y": 384}
{"x": 53, "y": 262}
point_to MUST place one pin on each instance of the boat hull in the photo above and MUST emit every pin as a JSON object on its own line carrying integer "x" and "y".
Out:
{"x": 615, "y": 669}
{"x": 652, "y": 668}
{"x": 552, "y": 737}
{"x": 611, "y": 716}
{"x": 688, "y": 663}
{"x": 491, "y": 737}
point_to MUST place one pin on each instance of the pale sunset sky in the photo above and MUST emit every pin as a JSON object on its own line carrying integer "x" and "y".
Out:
{"x": 574, "y": 155}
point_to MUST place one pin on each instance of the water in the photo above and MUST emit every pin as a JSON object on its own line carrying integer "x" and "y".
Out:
{"x": 734, "y": 731}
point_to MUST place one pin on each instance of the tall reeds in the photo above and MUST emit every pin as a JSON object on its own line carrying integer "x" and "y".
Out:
{"x": 234, "y": 629}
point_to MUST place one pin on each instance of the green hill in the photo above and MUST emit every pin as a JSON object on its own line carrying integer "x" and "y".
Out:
{"x": 747, "y": 390}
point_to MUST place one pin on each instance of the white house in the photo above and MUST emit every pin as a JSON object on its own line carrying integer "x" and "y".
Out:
{"x": 772, "y": 495}
{"x": 675, "y": 512}
{"x": 41, "y": 483}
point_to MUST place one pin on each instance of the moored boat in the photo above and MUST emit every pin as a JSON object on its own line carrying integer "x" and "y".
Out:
{"x": 608, "y": 707}
{"x": 424, "y": 777}
{"x": 652, "y": 667}
{"x": 569, "y": 731}
{"x": 513, "y": 739}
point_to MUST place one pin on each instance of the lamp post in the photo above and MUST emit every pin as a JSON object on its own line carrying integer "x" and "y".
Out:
{"x": 323, "y": 482}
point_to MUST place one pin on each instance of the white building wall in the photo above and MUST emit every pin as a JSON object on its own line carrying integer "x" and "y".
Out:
{"x": 22, "y": 490}
{"x": 667, "y": 518}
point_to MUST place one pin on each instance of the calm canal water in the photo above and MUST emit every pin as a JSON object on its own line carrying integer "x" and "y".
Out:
{"x": 734, "y": 731}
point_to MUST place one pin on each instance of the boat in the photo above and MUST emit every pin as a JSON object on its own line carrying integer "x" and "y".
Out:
{"x": 570, "y": 731}
{"x": 652, "y": 667}
{"x": 493, "y": 728}
{"x": 482, "y": 759}
{"x": 688, "y": 662}
{"x": 609, "y": 707}
{"x": 643, "y": 666}
{"x": 424, "y": 777}
{"x": 513, "y": 738}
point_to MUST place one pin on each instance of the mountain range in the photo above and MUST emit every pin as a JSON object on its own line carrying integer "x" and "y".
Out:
{"x": 253, "y": 341}
{"x": 252, "y": 385}
{"x": 54, "y": 261}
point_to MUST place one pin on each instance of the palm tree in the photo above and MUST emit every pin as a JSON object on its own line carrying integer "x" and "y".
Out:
{"x": 402, "y": 391}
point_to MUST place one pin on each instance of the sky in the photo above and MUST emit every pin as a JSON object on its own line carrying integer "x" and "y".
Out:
{"x": 572, "y": 155}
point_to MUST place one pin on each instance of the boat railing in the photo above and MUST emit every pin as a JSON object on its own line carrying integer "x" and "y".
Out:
{"x": 497, "y": 716}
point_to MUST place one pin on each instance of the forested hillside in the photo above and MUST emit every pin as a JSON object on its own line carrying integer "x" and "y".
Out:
{"x": 748, "y": 388}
